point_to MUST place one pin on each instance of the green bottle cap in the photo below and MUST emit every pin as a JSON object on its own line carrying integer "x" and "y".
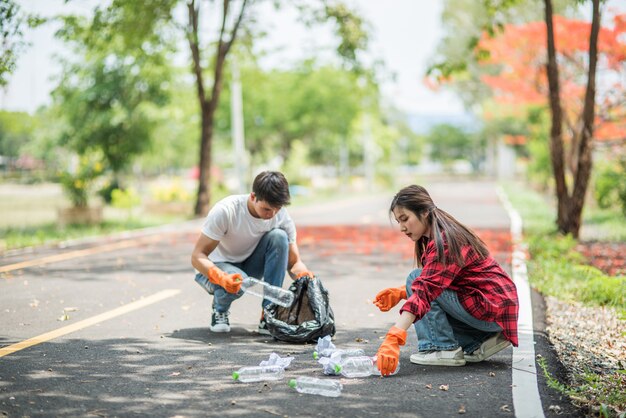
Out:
{"x": 337, "y": 368}
{"x": 315, "y": 355}
{"x": 235, "y": 375}
{"x": 292, "y": 383}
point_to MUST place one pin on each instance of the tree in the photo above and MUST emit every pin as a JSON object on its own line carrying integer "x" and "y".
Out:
{"x": 137, "y": 21}
{"x": 570, "y": 193}
{"x": 106, "y": 97}
{"x": 12, "y": 24}
{"x": 520, "y": 76}
{"x": 570, "y": 204}
{"x": 349, "y": 28}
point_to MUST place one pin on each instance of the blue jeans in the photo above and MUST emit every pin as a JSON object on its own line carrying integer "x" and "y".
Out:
{"x": 448, "y": 325}
{"x": 268, "y": 261}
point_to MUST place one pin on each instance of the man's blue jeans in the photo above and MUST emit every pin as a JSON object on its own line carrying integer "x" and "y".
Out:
{"x": 268, "y": 261}
{"x": 448, "y": 325}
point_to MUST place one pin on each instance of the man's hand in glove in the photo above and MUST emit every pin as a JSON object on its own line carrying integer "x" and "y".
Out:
{"x": 388, "y": 355}
{"x": 308, "y": 274}
{"x": 230, "y": 282}
{"x": 388, "y": 298}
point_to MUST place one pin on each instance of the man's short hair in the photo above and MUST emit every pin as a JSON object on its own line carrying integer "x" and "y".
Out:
{"x": 273, "y": 188}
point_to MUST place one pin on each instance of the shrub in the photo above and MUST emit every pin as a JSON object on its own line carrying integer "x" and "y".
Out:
{"x": 77, "y": 183}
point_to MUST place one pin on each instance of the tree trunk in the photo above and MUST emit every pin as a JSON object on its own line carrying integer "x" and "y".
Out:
{"x": 585, "y": 145}
{"x": 203, "y": 198}
{"x": 209, "y": 106}
{"x": 570, "y": 207}
{"x": 556, "y": 130}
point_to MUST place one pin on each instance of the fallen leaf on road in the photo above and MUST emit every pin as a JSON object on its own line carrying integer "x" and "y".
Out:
{"x": 429, "y": 386}
{"x": 492, "y": 374}
{"x": 64, "y": 317}
{"x": 462, "y": 409}
{"x": 265, "y": 388}
{"x": 444, "y": 387}
{"x": 505, "y": 408}
{"x": 556, "y": 409}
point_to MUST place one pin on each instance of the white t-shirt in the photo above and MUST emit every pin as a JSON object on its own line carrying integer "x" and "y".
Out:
{"x": 238, "y": 232}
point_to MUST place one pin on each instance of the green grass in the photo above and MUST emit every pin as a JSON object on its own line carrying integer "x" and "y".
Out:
{"x": 598, "y": 393}
{"x": 48, "y": 233}
{"x": 28, "y": 217}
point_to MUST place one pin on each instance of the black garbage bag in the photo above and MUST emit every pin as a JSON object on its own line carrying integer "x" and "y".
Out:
{"x": 308, "y": 318}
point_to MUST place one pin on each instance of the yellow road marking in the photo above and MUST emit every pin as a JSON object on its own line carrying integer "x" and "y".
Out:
{"x": 164, "y": 294}
{"x": 77, "y": 253}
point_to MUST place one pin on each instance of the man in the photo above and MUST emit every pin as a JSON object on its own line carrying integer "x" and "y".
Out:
{"x": 247, "y": 235}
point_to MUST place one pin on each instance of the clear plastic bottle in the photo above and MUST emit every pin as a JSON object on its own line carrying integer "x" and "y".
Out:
{"x": 275, "y": 294}
{"x": 259, "y": 373}
{"x": 327, "y": 352}
{"x": 361, "y": 366}
{"x": 316, "y": 386}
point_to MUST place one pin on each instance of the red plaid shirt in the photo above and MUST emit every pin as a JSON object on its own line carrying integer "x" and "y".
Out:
{"x": 482, "y": 286}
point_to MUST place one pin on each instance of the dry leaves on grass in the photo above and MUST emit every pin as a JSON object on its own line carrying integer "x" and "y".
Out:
{"x": 586, "y": 337}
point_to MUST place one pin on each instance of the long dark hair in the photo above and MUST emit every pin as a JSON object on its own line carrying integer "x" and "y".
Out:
{"x": 443, "y": 226}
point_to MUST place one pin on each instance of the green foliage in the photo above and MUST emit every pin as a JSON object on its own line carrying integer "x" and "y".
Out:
{"x": 314, "y": 105}
{"x": 16, "y": 130}
{"x": 449, "y": 143}
{"x": 107, "y": 97}
{"x": 350, "y": 29}
{"x": 173, "y": 191}
{"x": 555, "y": 267}
{"x": 125, "y": 199}
{"x": 78, "y": 182}
{"x": 610, "y": 184}
{"x": 14, "y": 237}
{"x": 595, "y": 391}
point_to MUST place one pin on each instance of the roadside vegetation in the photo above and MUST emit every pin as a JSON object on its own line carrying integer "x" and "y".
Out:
{"x": 556, "y": 269}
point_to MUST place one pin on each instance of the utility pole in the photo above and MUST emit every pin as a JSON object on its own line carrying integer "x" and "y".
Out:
{"x": 240, "y": 156}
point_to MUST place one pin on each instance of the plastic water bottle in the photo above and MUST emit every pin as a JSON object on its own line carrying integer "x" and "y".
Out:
{"x": 259, "y": 373}
{"x": 362, "y": 366}
{"x": 327, "y": 352}
{"x": 275, "y": 294}
{"x": 315, "y": 386}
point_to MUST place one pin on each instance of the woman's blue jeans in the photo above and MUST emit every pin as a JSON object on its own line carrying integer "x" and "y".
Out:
{"x": 448, "y": 325}
{"x": 268, "y": 261}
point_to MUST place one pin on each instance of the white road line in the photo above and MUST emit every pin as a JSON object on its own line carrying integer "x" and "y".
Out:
{"x": 526, "y": 399}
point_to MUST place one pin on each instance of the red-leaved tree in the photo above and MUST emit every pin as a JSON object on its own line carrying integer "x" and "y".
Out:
{"x": 556, "y": 63}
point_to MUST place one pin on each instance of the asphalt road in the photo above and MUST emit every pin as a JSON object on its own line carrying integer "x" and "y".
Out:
{"x": 118, "y": 327}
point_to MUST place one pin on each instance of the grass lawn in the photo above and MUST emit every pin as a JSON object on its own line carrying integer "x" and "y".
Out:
{"x": 28, "y": 217}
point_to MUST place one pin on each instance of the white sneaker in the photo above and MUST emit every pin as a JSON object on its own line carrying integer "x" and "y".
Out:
{"x": 439, "y": 358}
{"x": 488, "y": 348}
{"x": 219, "y": 322}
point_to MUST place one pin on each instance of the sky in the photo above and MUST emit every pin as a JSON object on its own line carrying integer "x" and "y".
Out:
{"x": 404, "y": 35}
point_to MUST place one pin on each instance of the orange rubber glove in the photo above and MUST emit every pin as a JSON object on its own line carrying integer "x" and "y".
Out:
{"x": 308, "y": 274}
{"x": 388, "y": 355}
{"x": 388, "y": 298}
{"x": 230, "y": 282}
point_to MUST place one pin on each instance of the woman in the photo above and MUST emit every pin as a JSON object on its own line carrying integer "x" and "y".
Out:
{"x": 463, "y": 304}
